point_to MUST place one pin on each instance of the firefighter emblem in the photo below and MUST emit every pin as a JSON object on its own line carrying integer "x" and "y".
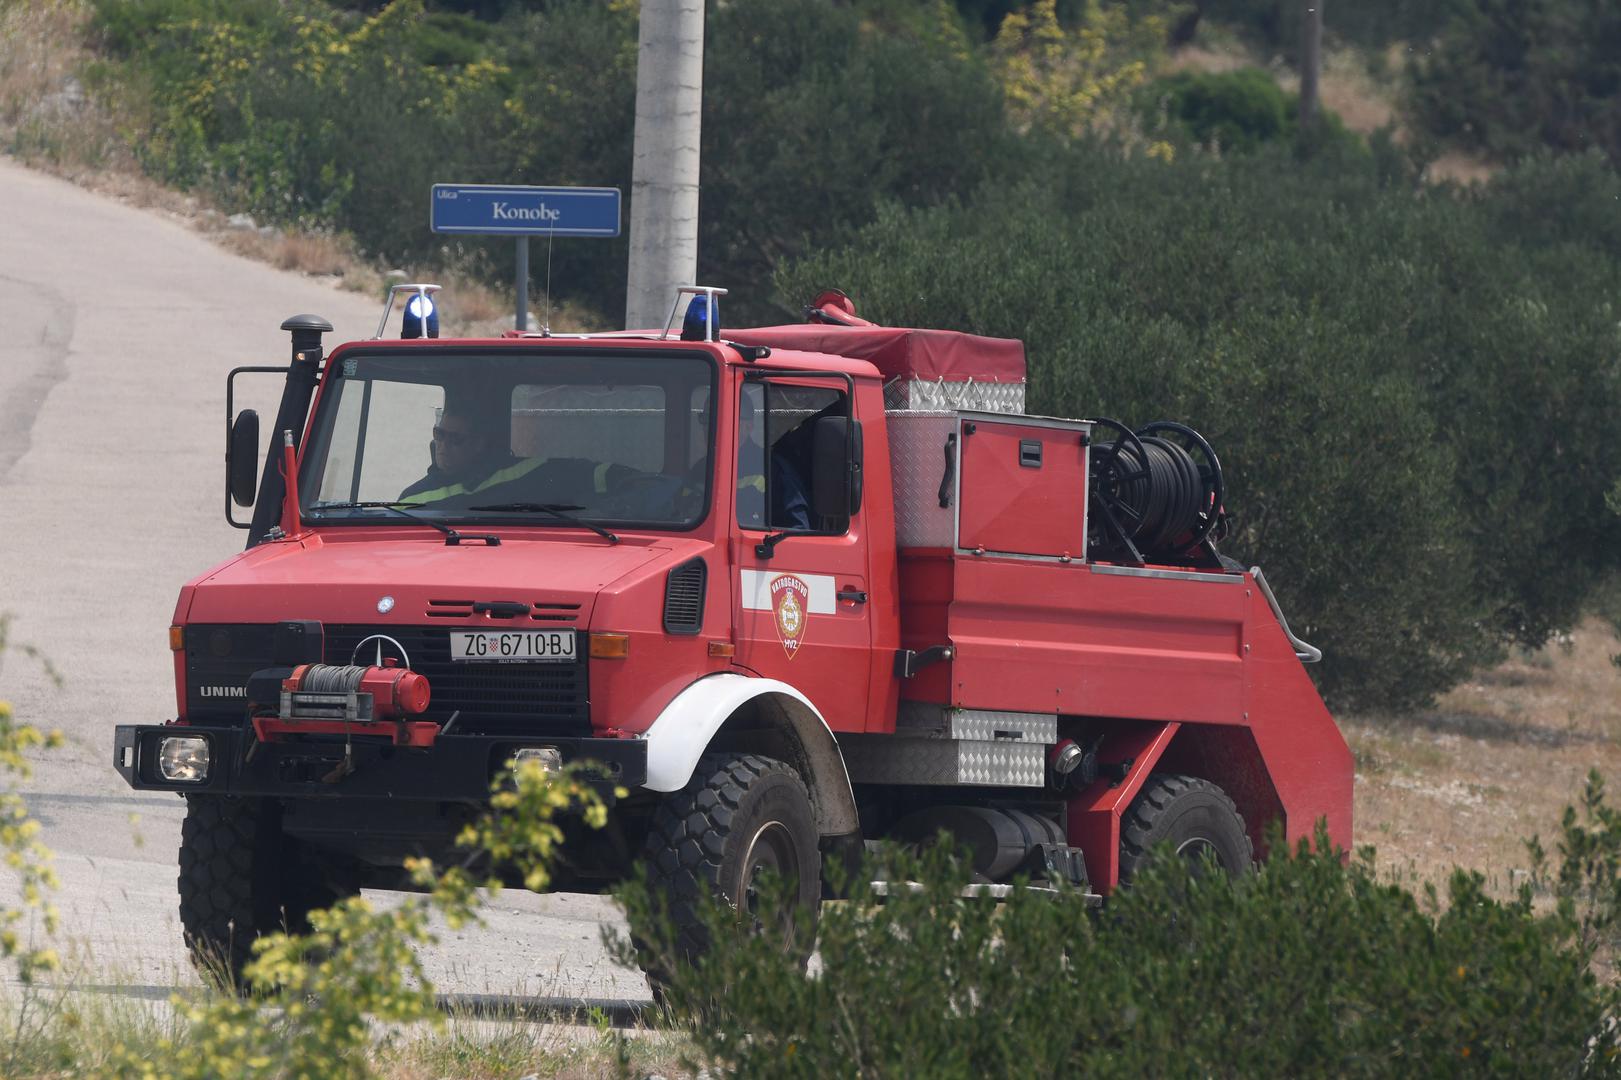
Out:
{"x": 790, "y": 601}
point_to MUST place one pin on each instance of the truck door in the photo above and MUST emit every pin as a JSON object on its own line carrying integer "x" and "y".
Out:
{"x": 801, "y": 612}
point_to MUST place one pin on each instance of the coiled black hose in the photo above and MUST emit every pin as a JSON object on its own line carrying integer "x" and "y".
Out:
{"x": 1159, "y": 495}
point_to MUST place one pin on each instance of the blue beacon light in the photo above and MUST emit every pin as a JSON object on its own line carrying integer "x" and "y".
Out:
{"x": 420, "y": 310}
{"x": 695, "y": 327}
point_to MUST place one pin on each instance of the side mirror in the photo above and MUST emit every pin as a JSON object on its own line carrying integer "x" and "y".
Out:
{"x": 836, "y": 460}
{"x": 242, "y": 458}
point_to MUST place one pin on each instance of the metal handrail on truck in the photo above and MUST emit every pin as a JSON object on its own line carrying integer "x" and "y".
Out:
{"x": 1306, "y": 654}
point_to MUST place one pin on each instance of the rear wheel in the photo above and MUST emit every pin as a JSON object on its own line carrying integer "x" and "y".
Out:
{"x": 1195, "y": 817}
{"x": 740, "y": 818}
{"x": 241, "y": 878}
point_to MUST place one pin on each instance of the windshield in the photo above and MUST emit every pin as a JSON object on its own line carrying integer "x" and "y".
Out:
{"x": 606, "y": 438}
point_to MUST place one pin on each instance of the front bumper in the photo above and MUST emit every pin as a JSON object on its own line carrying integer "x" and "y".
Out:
{"x": 456, "y": 768}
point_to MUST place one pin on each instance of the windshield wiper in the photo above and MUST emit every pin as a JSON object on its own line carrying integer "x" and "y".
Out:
{"x": 452, "y": 537}
{"x": 557, "y": 510}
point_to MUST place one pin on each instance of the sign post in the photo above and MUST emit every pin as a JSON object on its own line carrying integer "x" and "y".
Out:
{"x": 522, "y": 212}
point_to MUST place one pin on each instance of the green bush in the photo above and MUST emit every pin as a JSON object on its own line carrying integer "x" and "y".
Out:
{"x": 1308, "y": 967}
{"x": 1239, "y": 112}
{"x": 1234, "y": 110}
{"x": 1410, "y": 402}
{"x": 1511, "y": 77}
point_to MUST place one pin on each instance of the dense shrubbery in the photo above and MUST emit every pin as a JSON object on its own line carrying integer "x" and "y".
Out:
{"x": 1305, "y": 968}
{"x": 1274, "y": 25}
{"x": 1514, "y": 77}
{"x": 1411, "y": 392}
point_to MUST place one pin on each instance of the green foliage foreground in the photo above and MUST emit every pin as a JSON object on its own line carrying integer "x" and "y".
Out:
{"x": 1308, "y": 967}
{"x": 312, "y": 997}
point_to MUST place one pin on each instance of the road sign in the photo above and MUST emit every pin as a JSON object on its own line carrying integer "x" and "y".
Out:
{"x": 525, "y": 211}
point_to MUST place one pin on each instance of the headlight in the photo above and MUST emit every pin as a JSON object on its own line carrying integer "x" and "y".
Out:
{"x": 550, "y": 758}
{"x": 183, "y": 759}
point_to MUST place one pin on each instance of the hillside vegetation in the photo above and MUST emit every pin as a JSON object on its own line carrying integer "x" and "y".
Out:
{"x": 1412, "y": 385}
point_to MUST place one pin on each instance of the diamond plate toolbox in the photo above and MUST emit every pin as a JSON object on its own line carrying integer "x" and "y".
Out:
{"x": 888, "y": 759}
{"x": 918, "y": 452}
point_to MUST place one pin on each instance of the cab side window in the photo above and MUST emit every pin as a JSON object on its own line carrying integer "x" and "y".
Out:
{"x": 775, "y": 462}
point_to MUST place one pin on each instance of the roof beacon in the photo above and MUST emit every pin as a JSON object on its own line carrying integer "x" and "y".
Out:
{"x": 702, "y": 320}
{"x": 421, "y": 313}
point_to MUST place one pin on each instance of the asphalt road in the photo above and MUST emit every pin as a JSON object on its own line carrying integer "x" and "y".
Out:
{"x": 117, "y": 328}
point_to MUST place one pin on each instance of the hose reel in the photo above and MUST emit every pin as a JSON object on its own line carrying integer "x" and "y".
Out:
{"x": 1155, "y": 491}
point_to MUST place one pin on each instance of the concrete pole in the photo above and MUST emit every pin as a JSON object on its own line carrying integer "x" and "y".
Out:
{"x": 1311, "y": 63}
{"x": 664, "y": 180}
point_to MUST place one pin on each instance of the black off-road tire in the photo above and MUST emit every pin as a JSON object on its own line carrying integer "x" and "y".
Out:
{"x": 239, "y": 879}
{"x": 1194, "y": 816}
{"x": 740, "y": 814}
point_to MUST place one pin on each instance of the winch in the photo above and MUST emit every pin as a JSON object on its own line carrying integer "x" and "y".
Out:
{"x": 331, "y": 699}
{"x": 353, "y": 692}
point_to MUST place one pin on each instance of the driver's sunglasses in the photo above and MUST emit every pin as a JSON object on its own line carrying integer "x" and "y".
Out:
{"x": 450, "y": 438}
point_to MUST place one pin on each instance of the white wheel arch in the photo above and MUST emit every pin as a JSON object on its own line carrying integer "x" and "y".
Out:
{"x": 689, "y": 723}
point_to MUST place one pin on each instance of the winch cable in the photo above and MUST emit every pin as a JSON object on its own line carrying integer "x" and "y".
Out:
{"x": 333, "y": 678}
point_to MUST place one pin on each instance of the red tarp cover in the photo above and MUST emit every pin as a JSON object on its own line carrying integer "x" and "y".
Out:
{"x": 898, "y": 351}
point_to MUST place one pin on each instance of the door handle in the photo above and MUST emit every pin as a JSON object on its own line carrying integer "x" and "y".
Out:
{"x": 855, "y": 596}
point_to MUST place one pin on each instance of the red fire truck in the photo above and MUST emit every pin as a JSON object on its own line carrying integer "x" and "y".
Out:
{"x": 794, "y": 588}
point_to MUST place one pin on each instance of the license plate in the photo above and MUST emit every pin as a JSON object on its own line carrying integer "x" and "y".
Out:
{"x": 513, "y": 646}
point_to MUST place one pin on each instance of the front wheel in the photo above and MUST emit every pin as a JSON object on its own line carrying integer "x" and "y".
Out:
{"x": 241, "y": 878}
{"x": 740, "y": 818}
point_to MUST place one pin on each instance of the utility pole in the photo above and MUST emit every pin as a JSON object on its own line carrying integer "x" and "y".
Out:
{"x": 1311, "y": 63}
{"x": 664, "y": 178}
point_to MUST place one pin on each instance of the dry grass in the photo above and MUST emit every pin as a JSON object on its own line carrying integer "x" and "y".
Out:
{"x": 1363, "y": 100}
{"x": 43, "y": 52}
{"x": 482, "y": 1050}
{"x": 70, "y": 1024}
{"x": 1457, "y": 167}
{"x": 1494, "y": 763}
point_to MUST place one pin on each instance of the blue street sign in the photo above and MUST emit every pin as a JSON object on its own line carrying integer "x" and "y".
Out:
{"x": 525, "y": 211}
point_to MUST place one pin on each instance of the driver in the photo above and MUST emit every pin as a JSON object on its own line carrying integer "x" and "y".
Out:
{"x": 466, "y": 458}
{"x": 790, "y": 506}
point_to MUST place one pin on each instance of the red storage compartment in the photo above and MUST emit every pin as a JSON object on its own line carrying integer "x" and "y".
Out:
{"x": 1023, "y": 487}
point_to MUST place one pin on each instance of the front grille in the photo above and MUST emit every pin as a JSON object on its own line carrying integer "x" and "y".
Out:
{"x": 493, "y": 699}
